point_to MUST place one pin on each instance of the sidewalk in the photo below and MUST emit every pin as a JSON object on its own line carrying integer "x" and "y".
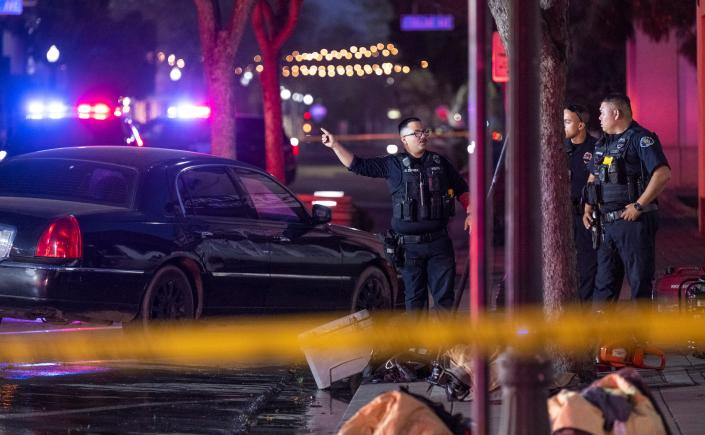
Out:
{"x": 679, "y": 389}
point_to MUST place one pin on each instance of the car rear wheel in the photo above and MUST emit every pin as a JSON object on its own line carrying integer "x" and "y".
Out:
{"x": 372, "y": 291}
{"x": 168, "y": 297}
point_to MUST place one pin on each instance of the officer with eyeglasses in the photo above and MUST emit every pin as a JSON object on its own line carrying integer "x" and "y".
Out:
{"x": 580, "y": 147}
{"x": 424, "y": 187}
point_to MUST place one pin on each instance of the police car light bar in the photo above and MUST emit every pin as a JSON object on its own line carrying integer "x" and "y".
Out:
{"x": 99, "y": 111}
{"x": 55, "y": 109}
{"x": 41, "y": 110}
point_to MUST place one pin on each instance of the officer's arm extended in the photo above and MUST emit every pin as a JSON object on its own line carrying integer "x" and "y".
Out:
{"x": 343, "y": 154}
{"x": 376, "y": 167}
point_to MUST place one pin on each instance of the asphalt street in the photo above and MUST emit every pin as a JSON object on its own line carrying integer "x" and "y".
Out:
{"x": 148, "y": 396}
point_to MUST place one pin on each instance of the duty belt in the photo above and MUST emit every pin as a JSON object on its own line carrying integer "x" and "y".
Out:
{"x": 613, "y": 216}
{"x": 422, "y": 238}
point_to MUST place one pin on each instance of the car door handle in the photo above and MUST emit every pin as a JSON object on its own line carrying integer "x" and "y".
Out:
{"x": 206, "y": 234}
{"x": 282, "y": 239}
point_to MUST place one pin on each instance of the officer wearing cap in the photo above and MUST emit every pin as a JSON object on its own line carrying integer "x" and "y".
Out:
{"x": 628, "y": 172}
{"x": 424, "y": 187}
{"x": 580, "y": 147}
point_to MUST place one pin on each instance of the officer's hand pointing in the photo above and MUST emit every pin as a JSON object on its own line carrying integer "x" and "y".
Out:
{"x": 327, "y": 138}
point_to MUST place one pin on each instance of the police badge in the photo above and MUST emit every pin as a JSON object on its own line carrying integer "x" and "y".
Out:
{"x": 587, "y": 157}
{"x": 646, "y": 142}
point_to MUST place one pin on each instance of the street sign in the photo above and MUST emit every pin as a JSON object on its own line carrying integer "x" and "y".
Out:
{"x": 10, "y": 7}
{"x": 410, "y": 23}
{"x": 500, "y": 62}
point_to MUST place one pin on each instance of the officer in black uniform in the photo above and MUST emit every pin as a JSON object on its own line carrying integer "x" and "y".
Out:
{"x": 628, "y": 171}
{"x": 424, "y": 187}
{"x": 580, "y": 147}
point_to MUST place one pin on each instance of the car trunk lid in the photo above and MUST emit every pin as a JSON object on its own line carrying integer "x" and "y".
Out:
{"x": 24, "y": 220}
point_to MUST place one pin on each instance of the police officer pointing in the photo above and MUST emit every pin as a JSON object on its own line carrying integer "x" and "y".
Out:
{"x": 629, "y": 170}
{"x": 424, "y": 187}
{"x": 580, "y": 147}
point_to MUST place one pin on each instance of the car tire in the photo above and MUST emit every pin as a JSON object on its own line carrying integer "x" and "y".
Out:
{"x": 372, "y": 291}
{"x": 169, "y": 296}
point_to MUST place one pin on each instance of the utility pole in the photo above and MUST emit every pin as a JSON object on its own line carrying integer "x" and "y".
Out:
{"x": 479, "y": 255}
{"x": 524, "y": 378}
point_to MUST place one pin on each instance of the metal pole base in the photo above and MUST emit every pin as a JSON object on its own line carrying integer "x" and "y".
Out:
{"x": 524, "y": 383}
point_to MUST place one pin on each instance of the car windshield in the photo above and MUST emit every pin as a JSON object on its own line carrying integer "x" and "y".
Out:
{"x": 68, "y": 180}
{"x": 34, "y": 135}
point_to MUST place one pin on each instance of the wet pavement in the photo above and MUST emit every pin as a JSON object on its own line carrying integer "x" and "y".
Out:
{"x": 132, "y": 397}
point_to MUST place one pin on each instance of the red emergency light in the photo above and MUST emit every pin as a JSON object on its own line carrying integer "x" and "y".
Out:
{"x": 99, "y": 111}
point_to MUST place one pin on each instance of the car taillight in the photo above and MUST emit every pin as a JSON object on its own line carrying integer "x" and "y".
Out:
{"x": 61, "y": 239}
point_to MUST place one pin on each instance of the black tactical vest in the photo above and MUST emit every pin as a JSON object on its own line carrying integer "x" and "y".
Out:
{"x": 617, "y": 187}
{"x": 424, "y": 192}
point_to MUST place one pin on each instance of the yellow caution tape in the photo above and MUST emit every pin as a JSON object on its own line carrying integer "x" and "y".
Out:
{"x": 279, "y": 338}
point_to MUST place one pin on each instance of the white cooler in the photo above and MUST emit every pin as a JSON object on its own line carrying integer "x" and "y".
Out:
{"x": 329, "y": 366}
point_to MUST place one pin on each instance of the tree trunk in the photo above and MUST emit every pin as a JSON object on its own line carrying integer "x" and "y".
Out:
{"x": 219, "y": 46}
{"x": 273, "y": 134}
{"x": 220, "y": 89}
{"x": 559, "y": 253}
{"x": 559, "y": 271}
{"x": 270, "y": 38}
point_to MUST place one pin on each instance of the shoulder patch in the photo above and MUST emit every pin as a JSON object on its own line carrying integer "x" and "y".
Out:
{"x": 437, "y": 159}
{"x": 646, "y": 142}
{"x": 587, "y": 157}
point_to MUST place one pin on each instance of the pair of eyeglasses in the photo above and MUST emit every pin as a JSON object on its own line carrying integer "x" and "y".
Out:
{"x": 419, "y": 133}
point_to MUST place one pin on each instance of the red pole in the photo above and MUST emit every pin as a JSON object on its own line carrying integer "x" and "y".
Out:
{"x": 700, "y": 23}
{"x": 479, "y": 255}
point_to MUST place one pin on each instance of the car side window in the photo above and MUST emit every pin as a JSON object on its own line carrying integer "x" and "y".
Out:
{"x": 270, "y": 199}
{"x": 210, "y": 191}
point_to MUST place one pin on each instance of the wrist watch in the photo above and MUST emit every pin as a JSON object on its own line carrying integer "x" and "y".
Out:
{"x": 638, "y": 207}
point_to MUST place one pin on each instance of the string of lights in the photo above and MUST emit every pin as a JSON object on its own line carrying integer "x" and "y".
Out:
{"x": 377, "y": 50}
{"x": 359, "y": 69}
{"x": 312, "y": 70}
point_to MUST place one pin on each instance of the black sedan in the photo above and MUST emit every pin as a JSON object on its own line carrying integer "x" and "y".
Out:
{"x": 125, "y": 233}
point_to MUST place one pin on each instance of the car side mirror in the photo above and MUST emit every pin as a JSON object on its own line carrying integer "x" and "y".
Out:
{"x": 320, "y": 214}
